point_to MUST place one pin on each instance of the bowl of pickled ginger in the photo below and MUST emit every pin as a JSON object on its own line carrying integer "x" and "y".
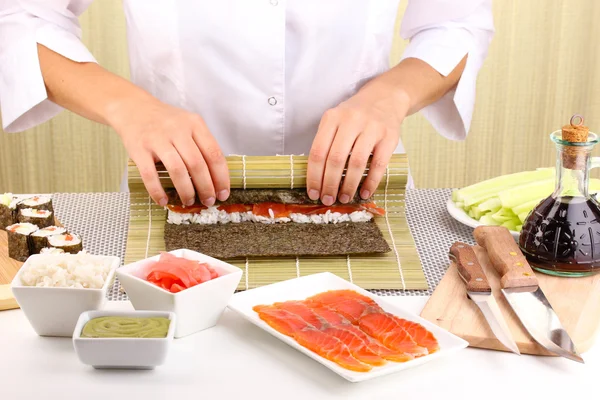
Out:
{"x": 194, "y": 286}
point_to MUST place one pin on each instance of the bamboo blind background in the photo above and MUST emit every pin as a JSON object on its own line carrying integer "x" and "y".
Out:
{"x": 399, "y": 269}
{"x": 542, "y": 68}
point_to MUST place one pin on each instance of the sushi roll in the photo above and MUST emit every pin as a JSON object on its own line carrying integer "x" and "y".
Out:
{"x": 39, "y": 239}
{"x": 8, "y": 206}
{"x": 37, "y": 202}
{"x": 41, "y": 218}
{"x": 68, "y": 242}
{"x": 19, "y": 240}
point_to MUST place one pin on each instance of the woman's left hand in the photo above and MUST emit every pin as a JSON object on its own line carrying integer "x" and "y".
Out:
{"x": 367, "y": 123}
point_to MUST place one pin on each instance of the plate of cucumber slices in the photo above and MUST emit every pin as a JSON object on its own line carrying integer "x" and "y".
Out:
{"x": 505, "y": 200}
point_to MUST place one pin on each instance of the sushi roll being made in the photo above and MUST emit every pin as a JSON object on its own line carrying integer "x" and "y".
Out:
{"x": 19, "y": 240}
{"x": 41, "y": 218}
{"x": 8, "y": 207}
{"x": 37, "y": 202}
{"x": 68, "y": 242}
{"x": 39, "y": 239}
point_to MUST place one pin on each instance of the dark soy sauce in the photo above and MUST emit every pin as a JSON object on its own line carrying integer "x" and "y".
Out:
{"x": 562, "y": 236}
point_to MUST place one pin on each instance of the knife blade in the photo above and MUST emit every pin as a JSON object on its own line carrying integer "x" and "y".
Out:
{"x": 480, "y": 292}
{"x": 521, "y": 289}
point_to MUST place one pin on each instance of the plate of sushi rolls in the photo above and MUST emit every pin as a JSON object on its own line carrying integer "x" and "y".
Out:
{"x": 32, "y": 228}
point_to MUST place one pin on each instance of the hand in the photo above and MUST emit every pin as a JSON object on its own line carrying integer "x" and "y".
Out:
{"x": 367, "y": 123}
{"x": 153, "y": 131}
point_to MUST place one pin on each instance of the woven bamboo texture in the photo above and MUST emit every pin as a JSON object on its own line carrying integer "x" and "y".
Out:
{"x": 399, "y": 269}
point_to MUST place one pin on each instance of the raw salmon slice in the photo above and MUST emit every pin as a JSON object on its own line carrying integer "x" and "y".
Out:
{"x": 384, "y": 328}
{"x": 331, "y": 348}
{"x": 358, "y": 347}
{"x": 333, "y": 296}
{"x": 339, "y": 321}
{"x": 420, "y": 334}
{"x": 303, "y": 311}
{"x": 282, "y": 321}
{"x": 328, "y": 314}
{"x": 351, "y": 309}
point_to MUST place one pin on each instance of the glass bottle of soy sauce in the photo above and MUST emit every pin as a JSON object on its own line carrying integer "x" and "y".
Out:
{"x": 561, "y": 236}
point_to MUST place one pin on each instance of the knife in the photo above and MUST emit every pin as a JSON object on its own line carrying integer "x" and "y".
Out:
{"x": 480, "y": 292}
{"x": 521, "y": 289}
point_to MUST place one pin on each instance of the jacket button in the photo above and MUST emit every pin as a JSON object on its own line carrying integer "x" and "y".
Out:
{"x": 272, "y": 101}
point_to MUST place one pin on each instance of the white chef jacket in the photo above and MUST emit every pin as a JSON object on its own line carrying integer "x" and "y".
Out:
{"x": 260, "y": 72}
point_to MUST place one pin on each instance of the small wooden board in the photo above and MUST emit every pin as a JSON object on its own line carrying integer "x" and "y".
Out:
{"x": 576, "y": 301}
{"x": 8, "y": 269}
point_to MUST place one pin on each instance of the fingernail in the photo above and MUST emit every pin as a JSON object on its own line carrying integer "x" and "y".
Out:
{"x": 223, "y": 195}
{"x": 163, "y": 202}
{"x": 365, "y": 194}
{"x": 209, "y": 202}
{"x": 190, "y": 202}
{"x": 313, "y": 194}
{"x": 344, "y": 198}
{"x": 328, "y": 200}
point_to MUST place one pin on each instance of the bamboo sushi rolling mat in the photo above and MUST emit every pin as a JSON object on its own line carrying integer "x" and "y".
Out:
{"x": 102, "y": 220}
{"x": 398, "y": 269}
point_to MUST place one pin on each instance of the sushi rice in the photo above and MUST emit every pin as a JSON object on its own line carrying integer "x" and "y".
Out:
{"x": 32, "y": 212}
{"x": 67, "y": 271}
{"x": 212, "y": 215}
{"x": 22, "y": 228}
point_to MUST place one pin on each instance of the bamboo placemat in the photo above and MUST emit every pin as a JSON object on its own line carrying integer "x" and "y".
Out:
{"x": 399, "y": 269}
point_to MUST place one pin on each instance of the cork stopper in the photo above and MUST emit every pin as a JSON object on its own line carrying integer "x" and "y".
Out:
{"x": 575, "y": 132}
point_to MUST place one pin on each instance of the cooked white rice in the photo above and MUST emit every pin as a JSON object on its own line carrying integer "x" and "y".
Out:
{"x": 35, "y": 201}
{"x": 67, "y": 271}
{"x": 32, "y": 212}
{"x": 61, "y": 240}
{"x": 24, "y": 228}
{"x": 51, "y": 250}
{"x": 51, "y": 230}
{"x": 212, "y": 215}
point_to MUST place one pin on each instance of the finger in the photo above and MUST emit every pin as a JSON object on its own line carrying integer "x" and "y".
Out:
{"x": 381, "y": 157}
{"x": 145, "y": 164}
{"x": 336, "y": 161}
{"x": 318, "y": 153}
{"x": 358, "y": 163}
{"x": 178, "y": 173}
{"x": 198, "y": 170}
{"x": 215, "y": 160}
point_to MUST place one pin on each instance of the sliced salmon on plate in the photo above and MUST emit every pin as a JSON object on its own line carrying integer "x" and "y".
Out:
{"x": 349, "y": 329}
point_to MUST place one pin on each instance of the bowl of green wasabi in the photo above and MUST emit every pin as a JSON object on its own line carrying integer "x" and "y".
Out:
{"x": 124, "y": 339}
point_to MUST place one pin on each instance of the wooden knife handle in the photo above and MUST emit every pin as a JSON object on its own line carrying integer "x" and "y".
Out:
{"x": 506, "y": 257}
{"x": 469, "y": 268}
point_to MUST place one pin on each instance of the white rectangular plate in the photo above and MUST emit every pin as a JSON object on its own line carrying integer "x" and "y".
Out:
{"x": 301, "y": 288}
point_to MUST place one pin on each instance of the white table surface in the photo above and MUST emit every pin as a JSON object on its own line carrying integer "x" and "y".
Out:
{"x": 236, "y": 360}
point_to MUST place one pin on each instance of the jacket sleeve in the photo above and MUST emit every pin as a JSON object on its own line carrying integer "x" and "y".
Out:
{"x": 24, "y": 101}
{"x": 441, "y": 33}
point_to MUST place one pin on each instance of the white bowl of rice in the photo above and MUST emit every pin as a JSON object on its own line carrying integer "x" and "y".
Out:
{"x": 54, "y": 289}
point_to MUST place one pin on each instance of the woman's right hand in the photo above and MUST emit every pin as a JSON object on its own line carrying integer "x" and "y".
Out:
{"x": 152, "y": 131}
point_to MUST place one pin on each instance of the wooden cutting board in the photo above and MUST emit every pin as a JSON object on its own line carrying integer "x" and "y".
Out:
{"x": 576, "y": 301}
{"x": 8, "y": 269}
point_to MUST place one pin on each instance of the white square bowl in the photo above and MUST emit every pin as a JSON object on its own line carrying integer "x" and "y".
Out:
{"x": 54, "y": 311}
{"x": 198, "y": 307}
{"x": 310, "y": 285}
{"x": 123, "y": 353}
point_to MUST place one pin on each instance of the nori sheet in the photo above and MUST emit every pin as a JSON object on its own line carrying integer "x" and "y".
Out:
{"x": 18, "y": 246}
{"x": 253, "y": 196}
{"x": 249, "y": 239}
{"x": 7, "y": 216}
